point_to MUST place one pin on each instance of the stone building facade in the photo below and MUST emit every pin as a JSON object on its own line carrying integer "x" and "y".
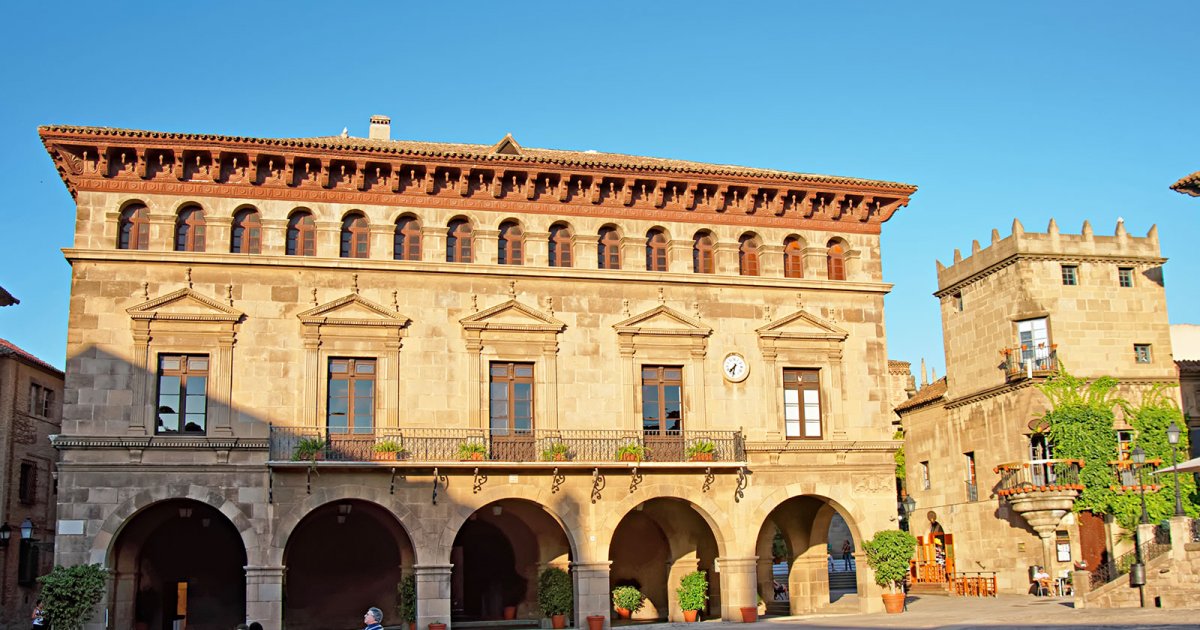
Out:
{"x": 31, "y": 400}
{"x": 235, "y": 300}
{"x": 1012, "y": 313}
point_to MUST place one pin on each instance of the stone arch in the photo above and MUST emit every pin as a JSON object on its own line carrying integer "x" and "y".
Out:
{"x": 286, "y": 524}
{"x": 571, "y": 521}
{"x": 705, "y": 507}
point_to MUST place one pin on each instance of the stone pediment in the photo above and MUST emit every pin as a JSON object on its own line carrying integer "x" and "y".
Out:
{"x": 802, "y": 325}
{"x": 353, "y": 310}
{"x": 663, "y": 320}
{"x": 512, "y": 316}
{"x": 184, "y": 305}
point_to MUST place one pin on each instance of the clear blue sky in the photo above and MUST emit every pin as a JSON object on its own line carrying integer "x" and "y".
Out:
{"x": 1073, "y": 110}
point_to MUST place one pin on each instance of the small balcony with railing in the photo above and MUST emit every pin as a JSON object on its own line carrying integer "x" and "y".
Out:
{"x": 416, "y": 447}
{"x": 1029, "y": 362}
{"x": 1131, "y": 478}
{"x": 1040, "y": 490}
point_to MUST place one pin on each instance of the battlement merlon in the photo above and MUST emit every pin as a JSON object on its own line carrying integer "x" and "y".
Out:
{"x": 1051, "y": 245}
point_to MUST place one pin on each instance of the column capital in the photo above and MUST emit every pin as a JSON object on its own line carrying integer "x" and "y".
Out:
{"x": 604, "y": 565}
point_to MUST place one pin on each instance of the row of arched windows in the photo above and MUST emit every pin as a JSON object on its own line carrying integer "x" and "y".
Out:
{"x": 301, "y": 240}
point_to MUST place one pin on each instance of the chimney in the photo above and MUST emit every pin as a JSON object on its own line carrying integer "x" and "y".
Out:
{"x": 381, "y": 128}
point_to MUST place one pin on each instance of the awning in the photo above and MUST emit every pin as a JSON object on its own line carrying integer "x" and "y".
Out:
{"x": 1191, "y": 465}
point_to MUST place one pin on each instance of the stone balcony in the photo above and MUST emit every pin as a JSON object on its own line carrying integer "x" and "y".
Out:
{"x": 1042, "y": 491}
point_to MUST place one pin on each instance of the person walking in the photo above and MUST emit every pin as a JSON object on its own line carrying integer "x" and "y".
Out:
{"x": 38, "y": 617}
{"x": 847, "y": 548}
{"x": 373, "y": 618}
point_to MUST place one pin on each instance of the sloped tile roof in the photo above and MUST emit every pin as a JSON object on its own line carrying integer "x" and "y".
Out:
{"x": 9, "y": 349}
{"x": 1189, "y": 185}
{"x": 929, "y": 394}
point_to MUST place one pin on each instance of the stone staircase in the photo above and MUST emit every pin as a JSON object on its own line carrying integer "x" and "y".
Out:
{"x": 843, "y": 581}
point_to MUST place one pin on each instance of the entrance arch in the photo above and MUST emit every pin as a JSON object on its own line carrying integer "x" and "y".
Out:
{"x": 178, "y": 559}
{"x": 800, "y": 550}
{"x": 342, "y": 558}
{"x": 654, "y": 546}
{"x": 498, "y": 553}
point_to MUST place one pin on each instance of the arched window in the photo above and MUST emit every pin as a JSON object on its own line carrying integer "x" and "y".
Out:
{"x": 458, "y": 241}
{"x": 247, "y": 233}
{"x": 608, "y": 253}
{"x": 836, "y": 261}
{"x": 560, "y": 245}
{"x": 301, "y": 235}
{"x": 355, "y": 233}
{"x": 656, "y": 251}
{"x": 189, "y": 230}
{"x": 793, "y": 258}
{"x": 702, "y": 253}
{"x": 407, "y": 244}
{"x": 133, "y": 228}
{"x": 748, "y": 255}
{"x": 512, "y": 241}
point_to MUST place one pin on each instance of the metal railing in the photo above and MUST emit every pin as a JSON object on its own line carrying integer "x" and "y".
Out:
{"x": 972, "y": 491}
{"x": 1159, "y": 544}
{"x": 1038, "y": 475}
{"x": 1026, "y": 362}
{"x": 442, "y": 445}
{"x": 1196, "y": 530}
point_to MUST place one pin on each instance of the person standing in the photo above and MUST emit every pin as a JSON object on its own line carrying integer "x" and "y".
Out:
{"x": 847, "y": 548}
{"x": 38, "y": 618}
{"x": 373, "y": 618}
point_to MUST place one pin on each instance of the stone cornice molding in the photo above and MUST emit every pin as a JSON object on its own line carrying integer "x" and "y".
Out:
{"x": 1067, "y": 258}
{"x": 823, "y": 446}
{"x": 685, "y": 326}
{"x": 817, "y": 329}
{"x": 158, "y": 441}
{"x": 327, "y": 314}
{"x": 487, "y": 319}
{"x": 152, "y": 310}
{"x": 320, "y": 170}
{"x": 998, "y": 390}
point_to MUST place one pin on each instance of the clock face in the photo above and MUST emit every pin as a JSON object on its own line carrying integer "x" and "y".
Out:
{"x": 735, "y": 368}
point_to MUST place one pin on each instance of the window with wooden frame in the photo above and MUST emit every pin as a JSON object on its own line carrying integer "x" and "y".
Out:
{"x": 702, "y": 253}
{"x": 662, "y": 400}
{"x": 560, "y": 245}
{"x": 458, "y": 241}
{"x": 1125, "y": 277}
{"x": 656, "y": 251}
{"x": 510, "y": 399}
{"x": 748, "y": 255}
{"x": 182, "y": 394}
{"x": 27, "y": 483}
{"x": 1124, "y": 445}
{"x": 246, "y": 237}
{"x": 1070, "y": 275}
{"x": 189, "y": 230}
{"x": 835, "y": 261}
{"x": 802, "y": 403}
{"x": 351, "y": 405}
{"x": 793, "y": 258}
{"x": 608, "y": 252}
{"x": 511, "y": 250}
{"x": 970, "y": 461}
{"x": 41, "y": 400}
{"x": 301, "y": 235}
{"x": 356, "y": 236}
{"x": 407, "y": 242}
{"x": 925, "y": 481}
{"x": 133, "y": 227}
{"x": 1141, "y": 353}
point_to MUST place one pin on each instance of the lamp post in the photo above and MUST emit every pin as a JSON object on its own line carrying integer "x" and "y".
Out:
{"x": 909, "y": 504}
{"x": 5, "y": 534}
{"x": 1137, "y": 573}
{"x": 1139, "y": 458}
{"x": 1173, "y": 438}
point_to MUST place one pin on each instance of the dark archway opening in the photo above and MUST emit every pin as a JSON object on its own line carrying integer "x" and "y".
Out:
{"x": 806, "y": 558}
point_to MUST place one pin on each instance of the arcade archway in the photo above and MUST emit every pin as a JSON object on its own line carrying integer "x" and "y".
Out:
{"x": 802, "y": 548}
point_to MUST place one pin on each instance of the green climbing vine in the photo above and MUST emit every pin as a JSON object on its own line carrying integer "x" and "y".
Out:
{"x": 1080, "y": 426}
{"x": 900, "y": 455}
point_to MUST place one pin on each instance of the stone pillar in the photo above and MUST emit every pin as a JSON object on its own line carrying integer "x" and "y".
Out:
{"x": 122, "y": 588}
{"x": 218, "y": 233}
{"x": 381, "y": 241}
{"x": 766, "y": 580}
{"x": 808, "y": 582}
{"x": 633, "y": 253}
{"x": 675, "y": 572}
{"x": 274, "y": 237}
{"x": 537, "y": 249}
{"x": 433, "y": 593}
{"x": 770, "y": 261}
{"x": 264, "y": 596}
{"x": 485, "y": 247}
{"x": 739, "y": 586}
{"x": 585, "y": 251}
{"x": 433, "y": 244}
{"x": 815, "y": 264}
{"x": 726, "y": 258}
{"x": 591, "y": 591}
{"x": 328, "y": 238}
{"x": 679, "y": 258}
{"x": 1081, "y": 585}
{"x": 1181, "y": 534}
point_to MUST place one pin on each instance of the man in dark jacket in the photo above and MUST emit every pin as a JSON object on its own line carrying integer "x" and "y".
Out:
{"x": 373, "y": 619}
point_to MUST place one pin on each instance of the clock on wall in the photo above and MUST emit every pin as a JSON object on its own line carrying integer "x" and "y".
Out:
{"x": 734, "y": 368}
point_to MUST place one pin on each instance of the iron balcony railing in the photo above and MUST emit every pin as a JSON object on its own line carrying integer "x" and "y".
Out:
{"x": 1159, "y": 544}
{"x": 1027, "y": 362}
{"x": 446, "y": 445}
{"x": 1039, "y": 475}
{"x": 972, "y": 491}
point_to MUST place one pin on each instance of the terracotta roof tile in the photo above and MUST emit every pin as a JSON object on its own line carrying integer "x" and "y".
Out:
{"x": 898, "y": 365}
{"x": 562, "y": 158}
{"x": 1188, "y": 366}
{"x": 7, "y": 299}
{"x": 1189, "y": 185}
{"x": 930, "y": 393}
{"x": 9, "y": 349}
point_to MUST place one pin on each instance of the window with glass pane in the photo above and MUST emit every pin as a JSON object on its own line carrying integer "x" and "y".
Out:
{"x": 133, "y": 228}
{"x": 182, "y": 394}
{"x": 511, "y": 399}
{"x": 1125, "y": 277}
{"x": 802, "y": 404}
{"x": 662, "y": 400}
{"x": 835, "y": 261}
{"x": 970, "y": 466}
{"x": 1070, "y": 275}
{"x": 247, "y": 233}
{"x": 511, "y": 244}
{"x": 793, "y": 259}
{"x": 355, "y": 237}
{"x": 41, "y": 400}
{"x": 656, "y": 251}
{"x": 560, "y": 246}
{"x": 301, "y": 235}
{"x": 458, "y": 241}
{"x": 407, "y": 243}
{"x": 1141, "y": 352}
{"x": 189, "y": 230}
{"x": 1035, "y": 343}
{"x": 702, "y": 254}
{"x": 351, "y": 407}
{"x": 748, "y": 256}
{"x": 609, "y": 250}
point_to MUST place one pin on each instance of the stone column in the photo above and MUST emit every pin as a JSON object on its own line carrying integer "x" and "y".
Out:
{"x": 217, "y": 233}
{"x": 264, "y": 596}
{"x": 591, "y": 591}
{"x": 537, "y": 249}
{"x": 770, "y": 261}
{"x": 633, "y": 253}
{"x": 808, "y": 582}
{"x": 433, "y": 593}
{"x": 1181, "y": 534}
{"x": 381, "y": 241}
{"x": 679, "y": 257}
{"x": 328, "y": 238}
{"x": 433, "y": 243}
{"x": 766, "y": 580}
{"x": 739, "y": 588}
{"x": 675, "y": 572}
{"x": 274, "y": 237}
{"x": 485, "y": 246}
{"x": 815, "y": 265}
{"x": 726, "y": 258}
{"x": 585, "y": 251}
{"x": 122, "y": 588}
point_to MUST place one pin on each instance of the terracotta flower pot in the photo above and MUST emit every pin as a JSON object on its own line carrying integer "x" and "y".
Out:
{"x": 595, "y": 622}
{"x": 558, "y": 622}
{"x": 893, "y": 602}
{"x": 437, "y": 626}
{"x": 510, "y": 612}
{"x": 623, "y": 613}
{"x": 690, "y": 615}
{"x": 702, "y": 457}
{"x": 630, "y": 457}
{"x": 749, "y": 615}
{"x": 412, "y": 625}
{"x": 384, "y": 456}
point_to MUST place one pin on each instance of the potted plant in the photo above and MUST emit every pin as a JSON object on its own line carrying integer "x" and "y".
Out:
{"x": 557, "y": 452}
{"x": 471, "y": 451}
{"x": 627, "y": 600}
{"x": 312, "y": 449}
{"x": 693, "y": 594}
{"x": 701, "y": 451}
{"x": 888, "y": 555}
{"x": 406, "y": 602}
{"x": 70, "y": 594}
{"x": 386, "y": 450}
{"x": 437, "y": 625}
{"x": 631, "y": 452}
{"x": 555, "y": 596}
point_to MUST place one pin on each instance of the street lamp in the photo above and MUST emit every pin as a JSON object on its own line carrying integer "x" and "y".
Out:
{"x": 909, "y": 504}
{"x": 1139, "y": 458}
{"x": 27, "y": 529}
{"x": 5, "y": 534}
{"x": 1137, "y": 573}
{"x": 1173, "y": 438}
